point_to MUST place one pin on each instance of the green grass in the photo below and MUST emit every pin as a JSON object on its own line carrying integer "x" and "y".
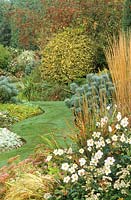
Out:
{"x": 57, "y": 119}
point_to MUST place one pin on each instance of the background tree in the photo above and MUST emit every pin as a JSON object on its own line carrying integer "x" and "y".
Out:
{"x": 26, "y": 20}
{"x": 126, "y": 22}
{"x": 34, "y": 22}
{"x": 5, "y": 29}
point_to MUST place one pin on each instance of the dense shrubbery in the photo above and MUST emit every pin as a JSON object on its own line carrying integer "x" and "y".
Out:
{"x": 34, "y": 88}
{"x": 21, "y": 111}
{"x": 68, "y": 56}
{"x": 98, "y": 87}
{"x": 8, "y": 91}
{"x": 98, "y": 164}
{"x": 23, "y": 63}
{"x": 4, "y": 57}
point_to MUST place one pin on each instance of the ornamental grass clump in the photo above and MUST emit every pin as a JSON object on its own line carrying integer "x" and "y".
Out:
{"x": 100, "y": 169}
{"x": 118, "y": 56}
{"x": 30, "y": 186}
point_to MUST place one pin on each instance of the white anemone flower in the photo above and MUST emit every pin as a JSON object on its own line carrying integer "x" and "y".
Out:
{"x": 118, "y": 116}
{"x": 124, "y": 122}
{"x": 122, "y": 138}
{"x": 66, "y": 179}
{"x": 109, "y": 161}
{"x": 90, "y": 142}
{"x": 81, "y": 150}
{"x": 65, "y": 166}
{"x": 114, "y": 138}
{"x": 81, "y": 172}
{"x": 82, "y": 161}
{"x": 74, "y": 177}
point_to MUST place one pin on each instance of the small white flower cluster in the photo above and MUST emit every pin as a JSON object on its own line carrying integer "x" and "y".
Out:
{"x": 100, "y": 161}
{"x": 9, "y": 140}
{"x": 121, "y": 122}
{"x": 94, "y": 160}
{"x": 107, "y": 166}
{"x": 93, "y": 196}
{"x": 120, "y": 183}
{"x": 26, "y": 57}
{"x": 96, "y": 142}
{"x": 47, "y": 196}
{"x": 6, "y": 120}
{"x": 103, "y": 121}
{"x": 58, "y": 152}
{"x": 73, "y": 170}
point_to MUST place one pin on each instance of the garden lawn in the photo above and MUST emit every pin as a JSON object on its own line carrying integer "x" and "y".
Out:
{"x": 56, "y": 119}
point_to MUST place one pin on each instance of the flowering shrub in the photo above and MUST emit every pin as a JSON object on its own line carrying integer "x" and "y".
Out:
{"x": 24, "y": 63}
{"x": 101, "y": 169}
{"x": 9, "y": 140}
{"x": 6, "y": 120}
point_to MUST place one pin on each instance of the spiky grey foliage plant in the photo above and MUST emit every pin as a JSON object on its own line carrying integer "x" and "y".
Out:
{"x": 98, "y": 87}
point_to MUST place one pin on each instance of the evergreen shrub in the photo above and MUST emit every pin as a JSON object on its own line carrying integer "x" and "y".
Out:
{"x": 4, "y": 57}
{"x": 68, "y": 56}
{"x": 8, "y": 91}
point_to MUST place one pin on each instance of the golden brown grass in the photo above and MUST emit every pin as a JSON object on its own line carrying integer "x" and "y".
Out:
{"x": 29, "y": 186}
{"x": 86, "y": 120}
{"x": 118, "y": 56}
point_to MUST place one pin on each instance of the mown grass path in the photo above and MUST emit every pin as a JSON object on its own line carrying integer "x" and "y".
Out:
{"x": 57, "y": 118}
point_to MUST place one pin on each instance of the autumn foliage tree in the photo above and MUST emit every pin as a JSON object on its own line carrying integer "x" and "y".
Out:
{"x": 34, "y": 22}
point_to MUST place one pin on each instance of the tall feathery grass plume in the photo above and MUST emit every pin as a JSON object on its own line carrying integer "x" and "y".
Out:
{"x": 118, "y": 56}
{"x": 86, "y": 120}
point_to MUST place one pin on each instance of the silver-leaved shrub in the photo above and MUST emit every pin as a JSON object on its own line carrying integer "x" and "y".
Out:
{"x": 9, "y": 140}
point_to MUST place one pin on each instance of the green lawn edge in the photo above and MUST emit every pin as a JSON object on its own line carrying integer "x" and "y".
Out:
{"x": 56, "y": 119}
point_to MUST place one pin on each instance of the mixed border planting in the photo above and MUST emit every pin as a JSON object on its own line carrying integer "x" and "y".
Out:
{"x": 65, "y": 103}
